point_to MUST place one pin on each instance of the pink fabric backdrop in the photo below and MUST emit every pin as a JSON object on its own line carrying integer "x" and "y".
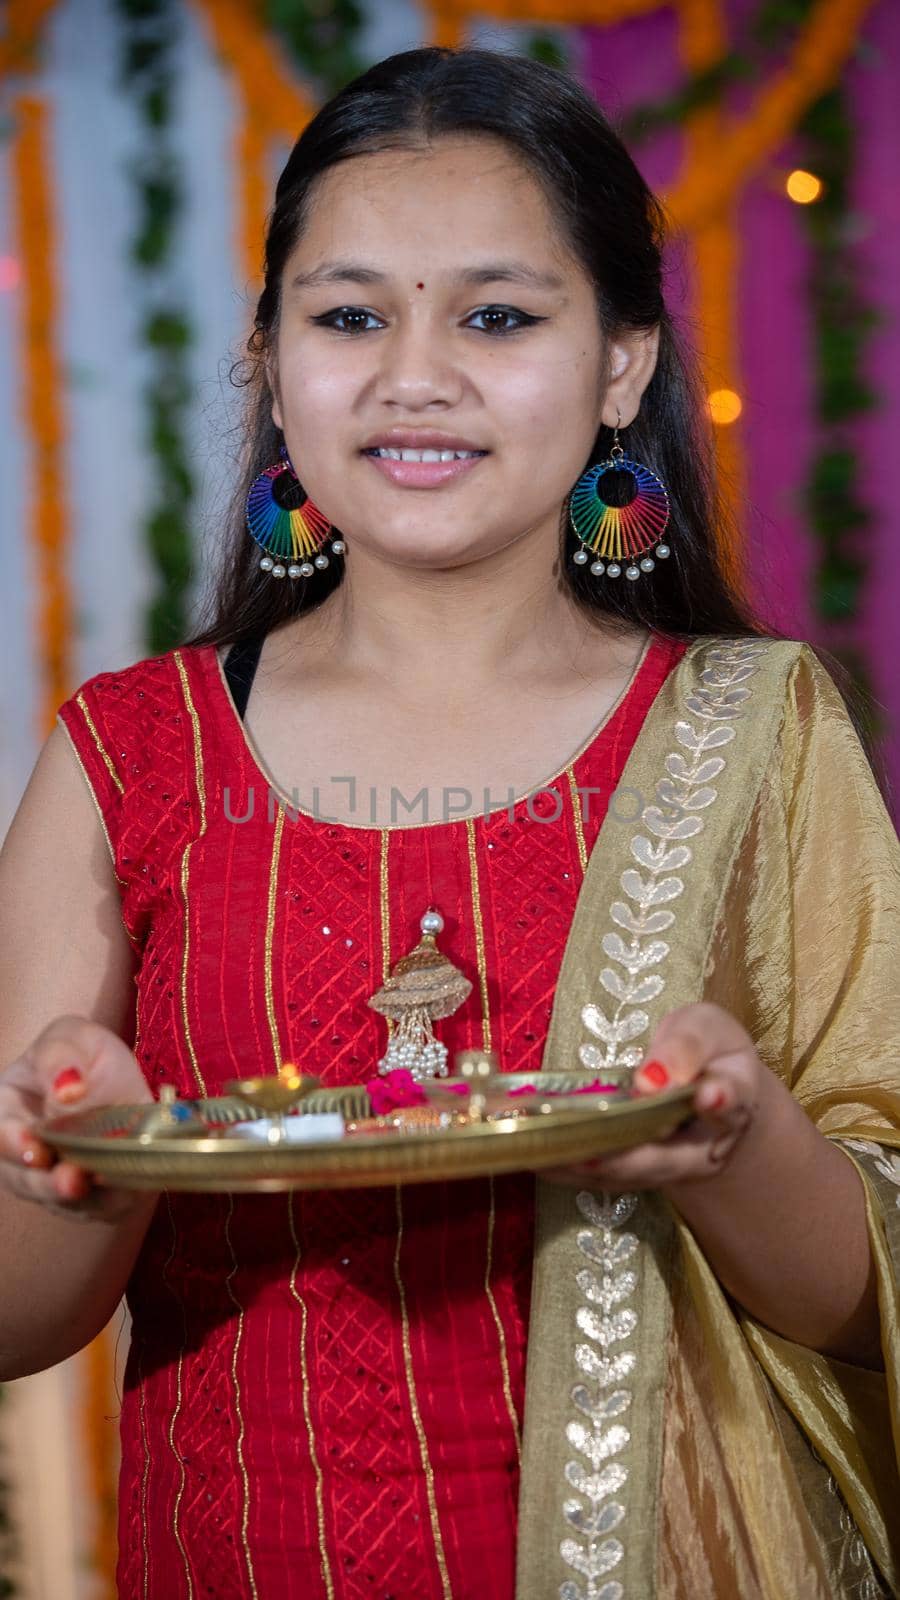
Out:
{"x": 637, "y": 61}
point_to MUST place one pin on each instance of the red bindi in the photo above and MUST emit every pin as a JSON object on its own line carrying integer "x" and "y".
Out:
{"x": 420, "y": 285}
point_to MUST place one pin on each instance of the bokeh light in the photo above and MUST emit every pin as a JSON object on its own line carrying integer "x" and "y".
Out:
{"x": 725, "y": 406}
{"x": 10, "y": 274}
{"x": 803, "y": 187}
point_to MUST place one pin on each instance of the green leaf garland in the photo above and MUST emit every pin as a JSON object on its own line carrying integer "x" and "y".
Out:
{"x": 149, "y": 39}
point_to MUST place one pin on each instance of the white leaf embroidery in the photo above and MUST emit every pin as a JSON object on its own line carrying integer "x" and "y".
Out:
{"x": 572, "y": 1591}
{"x": 614, "y": 1405}
{"x": 686, "y": 789}
{"x": 656, "y": 922}
{"x": 677, "y": 767}
{"x": 709, "y": 739}
{"x": 609, "y": 1213}
{"x": 592, "y": 1563}
{"x": 657, "y": 857}
{"x": 631, "y": 992}
{"x": 673, "y": 794}
{"x": 648, "y": 893}
{"x": 598, "y": 1024}
{"x": 597, "y": 1447}
{"x": 632, "y": 955}
{"x": 596, "y": 1485}
{"x": 670, "y": 827}
{"x": 606, "y": 1295}
{"x": 630, "y": 1057}
{"x": 705, "y": 705}
{"x": 609, "y": 1330}
{"x": 614, "y": 984}
{"x": 616, "y": 1032}
{"x": 631, "y": 1026}
{"x": 735, "y": 674}
{"x": 593, "y": 1522}
{"x": 647, "y": 990}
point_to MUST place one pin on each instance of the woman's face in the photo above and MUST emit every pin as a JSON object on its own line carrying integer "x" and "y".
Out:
{"x": 446, "y": 308}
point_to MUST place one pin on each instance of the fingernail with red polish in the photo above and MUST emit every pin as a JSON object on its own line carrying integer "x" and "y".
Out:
{"x": 655, "y": 1073}
{"x": 67, "y": 1082}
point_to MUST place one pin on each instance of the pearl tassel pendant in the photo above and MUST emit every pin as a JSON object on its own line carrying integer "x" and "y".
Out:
{"x": 423, "y": 986}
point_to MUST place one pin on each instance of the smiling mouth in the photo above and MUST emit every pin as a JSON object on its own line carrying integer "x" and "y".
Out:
{"x": 383, "y": 453}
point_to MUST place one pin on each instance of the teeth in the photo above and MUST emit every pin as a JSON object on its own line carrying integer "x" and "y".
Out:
{"x": 426, "y": 455}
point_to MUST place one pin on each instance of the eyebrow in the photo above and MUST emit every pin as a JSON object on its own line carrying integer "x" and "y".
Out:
{"x": 488, "y": 272}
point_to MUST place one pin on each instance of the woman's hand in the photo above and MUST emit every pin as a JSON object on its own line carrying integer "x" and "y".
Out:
{"x": 705, "y": 1046}
{"x": 74, "y": 1064}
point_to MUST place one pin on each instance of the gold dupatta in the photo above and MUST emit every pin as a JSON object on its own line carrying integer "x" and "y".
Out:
{"x": 673, "y": 1447}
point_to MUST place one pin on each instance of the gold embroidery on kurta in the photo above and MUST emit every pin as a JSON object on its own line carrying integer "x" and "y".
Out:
{"x": 385, "y": 907}
{"x": 577, "y": 819}
{"x": 270, "y": 933}
{"x": 185, "y": 865}
{"x": 498, "y": 1324}
{"x": 479, "y": 936}
{"x": 101, "y": 748}
{"x": 486, "y": 1038}
{"x": 384, "y": 889}
{"x": 307, "y": 1414}
{"x": 239, "y": 1447}
{"x": 145, "y": 1474}
{"x": 198, "y": 747}
{"x": 427, "y": 1470}
{"x": 177, "y": 1408}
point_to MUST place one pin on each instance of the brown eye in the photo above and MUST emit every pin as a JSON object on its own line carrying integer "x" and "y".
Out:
{"x": 523, "y": 319}
{"x": 329, "y": 319}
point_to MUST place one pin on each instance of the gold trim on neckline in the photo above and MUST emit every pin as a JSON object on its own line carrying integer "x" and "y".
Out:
{"x": 472, "y": 816}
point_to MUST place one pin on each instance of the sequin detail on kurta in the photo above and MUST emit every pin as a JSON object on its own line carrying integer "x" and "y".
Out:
{"x": 324, "y": 1391}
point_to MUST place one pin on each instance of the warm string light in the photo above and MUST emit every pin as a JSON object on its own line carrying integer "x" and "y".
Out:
{"x": 725, "y": 406}
{"x": 803, "y": 187}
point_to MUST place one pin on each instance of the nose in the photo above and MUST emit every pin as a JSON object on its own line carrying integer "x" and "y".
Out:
{"x": 417, "y": 367}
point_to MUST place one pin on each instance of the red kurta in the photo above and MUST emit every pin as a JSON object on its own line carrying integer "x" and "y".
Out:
{"x": 324, "y": 1391}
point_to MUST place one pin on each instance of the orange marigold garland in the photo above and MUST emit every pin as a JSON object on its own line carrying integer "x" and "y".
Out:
{"x": 819, "y": 54}
{"x": 42, "y": 403}
{"x": 23, "y": 24}
{"x": 101, "y": 1450}
{"x": 272, "y": 108}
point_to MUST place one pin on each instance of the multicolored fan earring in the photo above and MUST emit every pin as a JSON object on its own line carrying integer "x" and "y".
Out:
{"x": 617, "y": 533}
{"x": 286, "y": 524}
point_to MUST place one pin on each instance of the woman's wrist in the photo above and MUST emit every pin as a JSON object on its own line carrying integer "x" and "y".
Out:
{"x": 783, "y": 1227}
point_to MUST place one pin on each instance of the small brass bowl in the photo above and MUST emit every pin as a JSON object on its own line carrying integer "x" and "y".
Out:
{"x": 275, "y": 1092}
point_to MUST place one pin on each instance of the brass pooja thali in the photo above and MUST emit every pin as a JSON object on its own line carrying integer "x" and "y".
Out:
{"x": 284, "y": 1131}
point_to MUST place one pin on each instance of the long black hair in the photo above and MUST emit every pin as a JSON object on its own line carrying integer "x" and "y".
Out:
{"x": 616, "y": 228}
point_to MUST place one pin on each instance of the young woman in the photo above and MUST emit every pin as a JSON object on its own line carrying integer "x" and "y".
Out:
{"x": 654, "y": 842}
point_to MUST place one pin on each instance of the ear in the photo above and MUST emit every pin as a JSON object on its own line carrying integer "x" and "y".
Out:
{"x": 632, "y": 363}
{"x": 272, "y": 377}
